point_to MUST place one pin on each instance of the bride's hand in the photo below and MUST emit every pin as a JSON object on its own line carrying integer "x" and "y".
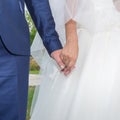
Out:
{"x": 69, "y": 53}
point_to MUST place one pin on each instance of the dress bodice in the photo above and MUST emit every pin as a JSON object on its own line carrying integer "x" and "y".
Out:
{"x": 98, "y": 15}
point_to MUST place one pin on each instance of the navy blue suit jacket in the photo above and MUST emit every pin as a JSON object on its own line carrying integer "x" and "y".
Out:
{"x": 14, "y": 29}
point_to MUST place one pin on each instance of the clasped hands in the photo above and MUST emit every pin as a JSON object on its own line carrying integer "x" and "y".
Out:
{"x": 66, "y": 57}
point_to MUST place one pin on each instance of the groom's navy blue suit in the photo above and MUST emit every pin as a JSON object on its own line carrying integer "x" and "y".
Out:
{"x": 15, "y": 51}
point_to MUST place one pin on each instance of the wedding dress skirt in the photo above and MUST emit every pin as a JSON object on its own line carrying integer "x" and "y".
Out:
{"x": 92, "y": 90}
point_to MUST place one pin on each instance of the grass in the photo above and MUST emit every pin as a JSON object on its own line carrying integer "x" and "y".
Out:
{"x": 34, "y": 72}
{"x": 30, "y": 96}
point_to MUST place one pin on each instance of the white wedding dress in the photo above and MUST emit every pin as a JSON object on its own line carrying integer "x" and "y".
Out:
{"x": 92, "y": 90}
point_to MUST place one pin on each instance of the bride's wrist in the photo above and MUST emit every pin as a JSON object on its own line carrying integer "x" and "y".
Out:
{"x": 71, "y": 32}
{"x": 72, "y": 38}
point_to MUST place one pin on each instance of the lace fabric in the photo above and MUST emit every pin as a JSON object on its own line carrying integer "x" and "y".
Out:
{"x": 70, "y": 9}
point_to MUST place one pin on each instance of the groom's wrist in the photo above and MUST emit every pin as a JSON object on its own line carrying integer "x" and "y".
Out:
{"x": 52, "y": 44}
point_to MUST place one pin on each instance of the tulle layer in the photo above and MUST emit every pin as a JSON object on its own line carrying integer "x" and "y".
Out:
{"x": 91, "y": 91}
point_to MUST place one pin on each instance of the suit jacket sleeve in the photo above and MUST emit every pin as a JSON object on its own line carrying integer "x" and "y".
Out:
{"x": 44, "y": 22}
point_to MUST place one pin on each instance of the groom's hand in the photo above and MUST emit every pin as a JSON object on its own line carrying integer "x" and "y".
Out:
{"x": 56, "y": 56}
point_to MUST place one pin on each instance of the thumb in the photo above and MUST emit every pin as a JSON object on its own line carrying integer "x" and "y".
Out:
{"x": 56, "y": 56}
{"x": 60, "y": 63}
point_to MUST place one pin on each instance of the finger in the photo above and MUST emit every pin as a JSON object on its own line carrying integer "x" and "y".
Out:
{"x": 67, "y": 72}
{"x": 69, "y": 68}
{"x": 64, "y": 57}
{"x": 61, "y": 65}
{"x": 61, "y": 56}
{"x": 66, "y": 61}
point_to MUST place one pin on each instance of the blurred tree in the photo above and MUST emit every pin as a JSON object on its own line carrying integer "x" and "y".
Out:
{"x": 32, "y": 28}
{"x": 33, "y": 65}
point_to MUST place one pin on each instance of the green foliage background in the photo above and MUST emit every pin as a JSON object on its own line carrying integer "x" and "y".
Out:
{"x": 32, "y": 28}
{"x": 34, "y": 68}
{"x": 33, "y": 65}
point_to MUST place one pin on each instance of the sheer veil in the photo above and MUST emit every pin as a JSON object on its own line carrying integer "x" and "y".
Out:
{"x": 71, "y": 7}
{"x": 63, "y": 11}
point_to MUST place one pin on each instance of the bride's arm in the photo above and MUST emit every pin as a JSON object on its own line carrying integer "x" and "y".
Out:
{"x": 71, "y": 31}
{"x": 70, "y": 50}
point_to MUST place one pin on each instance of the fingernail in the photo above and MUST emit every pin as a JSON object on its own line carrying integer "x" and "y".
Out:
{"x": 62, "y": 67}
{"x": 66, "y": 73}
